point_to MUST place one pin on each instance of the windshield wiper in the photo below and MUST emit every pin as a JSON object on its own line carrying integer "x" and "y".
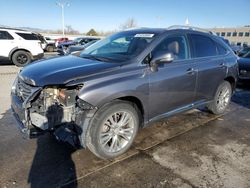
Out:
{"x": 95, "y": 58}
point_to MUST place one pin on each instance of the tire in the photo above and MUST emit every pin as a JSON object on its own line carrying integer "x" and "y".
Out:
{"x": 221, "y": 99}
{"x": 108, "y": 140}
{"x": 50, "y": 49}
{"x": 21, "y": 58}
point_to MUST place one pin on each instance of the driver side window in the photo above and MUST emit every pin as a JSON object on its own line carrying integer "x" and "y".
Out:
{"x": 176, "y": 45}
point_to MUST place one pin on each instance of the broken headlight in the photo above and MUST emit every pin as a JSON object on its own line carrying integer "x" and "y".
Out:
{"x": 63, "y": 96}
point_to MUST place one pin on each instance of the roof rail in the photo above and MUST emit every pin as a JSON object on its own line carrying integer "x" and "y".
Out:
{"x": 12, "y": 28}
{"x": 131, "y": 28}
{"x": 191, "y": 28}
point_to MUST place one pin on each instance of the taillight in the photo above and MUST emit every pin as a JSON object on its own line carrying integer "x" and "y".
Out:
{"x": 40, "y": 43}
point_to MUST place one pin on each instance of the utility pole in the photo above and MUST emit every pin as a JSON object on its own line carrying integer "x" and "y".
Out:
{"x": 62, "y": 5}
{"x": 187, "y": 22}
{"x": 159, "y": 19}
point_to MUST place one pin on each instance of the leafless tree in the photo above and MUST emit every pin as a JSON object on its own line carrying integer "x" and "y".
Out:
{"x": 70, "y": 30}
{"x": 129, "y": 23}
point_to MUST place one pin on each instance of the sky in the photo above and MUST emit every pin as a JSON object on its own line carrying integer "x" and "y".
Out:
{"x": 106, "y": 15}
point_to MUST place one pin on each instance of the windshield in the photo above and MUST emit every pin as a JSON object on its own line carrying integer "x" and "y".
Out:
{"x": 77, "y": 39}
{"x": 119, "y": 47}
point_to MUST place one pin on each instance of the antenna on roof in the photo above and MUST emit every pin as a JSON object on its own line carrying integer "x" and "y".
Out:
{"x": 187, "y": 22}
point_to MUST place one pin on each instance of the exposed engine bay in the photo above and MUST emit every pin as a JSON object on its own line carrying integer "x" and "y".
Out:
{"x": 53, "y": 107}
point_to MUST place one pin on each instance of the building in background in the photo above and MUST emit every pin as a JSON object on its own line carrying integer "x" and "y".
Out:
{"x": 239, "y": 36}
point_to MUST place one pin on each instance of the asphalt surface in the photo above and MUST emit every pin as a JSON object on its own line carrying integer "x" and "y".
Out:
{"x": 194, "y": 149}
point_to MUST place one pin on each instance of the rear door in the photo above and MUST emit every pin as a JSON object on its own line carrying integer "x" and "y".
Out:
{"x": 211, "y": 65}
{"x": 173, "y": 85}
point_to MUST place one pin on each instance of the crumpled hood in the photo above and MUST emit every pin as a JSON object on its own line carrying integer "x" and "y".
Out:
{"x": 61, "y": 70}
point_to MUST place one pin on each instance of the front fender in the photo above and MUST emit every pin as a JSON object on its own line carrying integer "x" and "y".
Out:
{"x": 132, "y": 84}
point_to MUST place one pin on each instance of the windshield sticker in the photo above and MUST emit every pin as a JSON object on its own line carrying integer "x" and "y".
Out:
{"x": 144, "y": 35}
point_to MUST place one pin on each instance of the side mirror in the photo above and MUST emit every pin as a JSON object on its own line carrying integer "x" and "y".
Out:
{"x": 163, "y": 58}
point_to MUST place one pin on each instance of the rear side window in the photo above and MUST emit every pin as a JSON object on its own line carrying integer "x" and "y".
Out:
{"x": 4, "y": 35}
{"x": 203, "y": 46}
{"x": 28, "y": 36}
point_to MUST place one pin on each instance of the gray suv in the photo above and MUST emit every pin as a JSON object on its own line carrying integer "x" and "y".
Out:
{"x": 100, "y": 98}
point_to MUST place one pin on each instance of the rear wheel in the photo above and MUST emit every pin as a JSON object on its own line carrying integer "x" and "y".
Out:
{"x": 21, "y": 58}
{"x": 113, "y": 129}
{"x": 221, "y": 99}
{"x": 50, "y": 49}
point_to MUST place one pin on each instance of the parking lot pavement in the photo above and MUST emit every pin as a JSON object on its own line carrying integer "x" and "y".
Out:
{"x": 216, "y": 154}
{"x": 9, "y": 68}
{"x": 195, "y": 149}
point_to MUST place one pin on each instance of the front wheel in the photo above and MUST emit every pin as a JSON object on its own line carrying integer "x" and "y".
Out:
{"x": 113, "y": 129}
{"x": 221, "y": 99}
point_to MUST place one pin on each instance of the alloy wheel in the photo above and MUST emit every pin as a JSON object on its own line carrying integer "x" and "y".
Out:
{"x": 117, "y": 131}
{"x": 22, "y": 58}
{"x": 223, "y": 98}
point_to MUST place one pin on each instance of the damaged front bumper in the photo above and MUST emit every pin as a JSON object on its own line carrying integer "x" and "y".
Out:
{"x": 37, "y": 112}
{"x": 20, "y": 110}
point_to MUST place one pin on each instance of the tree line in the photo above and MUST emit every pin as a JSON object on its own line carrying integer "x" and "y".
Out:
{"x": 129, "y": 23}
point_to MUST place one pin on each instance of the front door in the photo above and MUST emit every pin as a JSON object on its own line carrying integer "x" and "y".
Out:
{"x": 173, "y": 85}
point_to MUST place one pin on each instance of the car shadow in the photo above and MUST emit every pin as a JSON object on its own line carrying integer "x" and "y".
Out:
{"x": 5, "y": 62}
{"x": 52, "y": 164}
{"x": 242, "y": 96}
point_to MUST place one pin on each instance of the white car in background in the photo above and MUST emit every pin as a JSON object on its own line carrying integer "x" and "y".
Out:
{"x": 47, "y": 43}
{"x": 50, "y": 47}
{"x": 19, "y": 46}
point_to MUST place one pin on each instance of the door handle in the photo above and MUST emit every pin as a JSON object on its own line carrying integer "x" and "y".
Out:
{"x": 222, "y": 64}
{"x": 190, "y": 71}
